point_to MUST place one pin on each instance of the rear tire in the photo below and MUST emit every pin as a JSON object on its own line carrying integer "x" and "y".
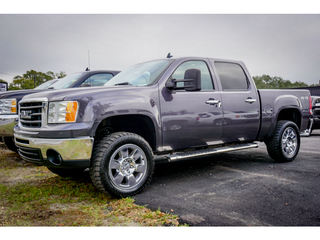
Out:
{"x": 122, "y": 164}
{"x": 284, "y": 145}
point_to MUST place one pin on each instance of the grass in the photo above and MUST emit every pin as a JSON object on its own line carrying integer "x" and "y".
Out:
{"x": 32, "y": 196}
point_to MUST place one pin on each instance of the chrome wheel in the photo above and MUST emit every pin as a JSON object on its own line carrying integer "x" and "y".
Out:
{"x": 289, "y": 142}
{"x": 127, "y": 167}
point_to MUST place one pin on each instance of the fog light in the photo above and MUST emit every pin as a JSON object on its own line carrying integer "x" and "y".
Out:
{"x": 54, "y": 157}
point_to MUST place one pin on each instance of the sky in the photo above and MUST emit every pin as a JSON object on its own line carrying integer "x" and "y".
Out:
{"x": 283, "y": 45}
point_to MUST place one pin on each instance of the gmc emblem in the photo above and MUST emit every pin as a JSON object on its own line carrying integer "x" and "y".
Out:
{"x": 26, "y": 114}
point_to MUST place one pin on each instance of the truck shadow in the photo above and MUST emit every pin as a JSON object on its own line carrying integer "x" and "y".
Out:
{"x": 239, "y": 159}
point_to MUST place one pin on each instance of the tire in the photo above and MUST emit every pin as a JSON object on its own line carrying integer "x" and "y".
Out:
{"x": 122, "y": 164}
{"x": 284, "y": 145}
{"x": 9, "y": 142}
{"x": 65, "y": 172}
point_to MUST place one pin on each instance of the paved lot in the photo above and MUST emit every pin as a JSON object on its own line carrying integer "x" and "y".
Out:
{"x": 243, "y": 188}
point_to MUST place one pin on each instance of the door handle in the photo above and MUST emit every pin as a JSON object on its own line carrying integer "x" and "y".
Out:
{"x": 250, "y": 100}
{"x": 213, "y": 102}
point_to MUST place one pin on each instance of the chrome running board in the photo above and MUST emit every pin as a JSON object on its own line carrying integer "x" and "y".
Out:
{"x": 209, "y": 151}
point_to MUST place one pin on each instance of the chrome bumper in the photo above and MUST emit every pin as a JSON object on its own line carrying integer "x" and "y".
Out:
{"x": 69, "y": 149}
{"x": 7, "y": 122}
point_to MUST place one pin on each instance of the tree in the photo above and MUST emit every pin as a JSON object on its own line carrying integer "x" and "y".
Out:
{"x": 32, "y": 79}
{"x": 265, "y": 81}
{"x": 61, "y": 74}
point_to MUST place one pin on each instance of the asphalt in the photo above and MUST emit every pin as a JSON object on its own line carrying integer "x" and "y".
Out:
{"x": 242, "y": 188}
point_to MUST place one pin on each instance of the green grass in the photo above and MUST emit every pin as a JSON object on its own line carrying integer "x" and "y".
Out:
{"x": 41, "y": 198}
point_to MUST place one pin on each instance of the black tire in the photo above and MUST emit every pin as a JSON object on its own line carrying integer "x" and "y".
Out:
{"x": 65, "y": 172}
{"x": 9, "y": 142}
{"x": 122, "y": 164}
{"x": 284, "y": 145}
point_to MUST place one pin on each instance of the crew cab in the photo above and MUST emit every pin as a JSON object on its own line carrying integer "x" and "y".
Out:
{"x": 175, "y": 108}
{"x": 9, "y": 100}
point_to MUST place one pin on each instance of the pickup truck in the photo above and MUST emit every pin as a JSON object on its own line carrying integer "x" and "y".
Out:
{"x": 314, "y": 122}
{"x": 9, "y": 100}
{"x": 172, "y": 108}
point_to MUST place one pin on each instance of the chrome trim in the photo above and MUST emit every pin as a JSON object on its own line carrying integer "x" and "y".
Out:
{"x": 204, "y": 152}
{"x": 7, "y": 123}
{"x": 213, "y": 102}
{"x": 44, "y": 110}
{"x": 250, "y": 100}
{"x": 69, "y": 148}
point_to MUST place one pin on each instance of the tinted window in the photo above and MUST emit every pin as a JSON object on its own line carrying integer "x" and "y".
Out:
{"x": 66, "y": 81}
{"x": 98, "y": 79}
{"x": 232, "y": 76}
{"x": 206, "y": 81}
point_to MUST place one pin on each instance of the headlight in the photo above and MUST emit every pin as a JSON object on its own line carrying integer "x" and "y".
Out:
{"x": 8, "y": 106}
{"x": 62, "y": 112}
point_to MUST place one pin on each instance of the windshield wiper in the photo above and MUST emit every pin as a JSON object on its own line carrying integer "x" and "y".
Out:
{"x": 124, "y": 83}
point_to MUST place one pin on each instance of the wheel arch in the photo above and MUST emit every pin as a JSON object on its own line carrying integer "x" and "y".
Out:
{"x": 139, "y": 124}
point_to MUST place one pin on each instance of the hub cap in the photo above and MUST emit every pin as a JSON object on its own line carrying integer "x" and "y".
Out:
{"x": 128, "y": 167}
{"x": 289, "y": 142}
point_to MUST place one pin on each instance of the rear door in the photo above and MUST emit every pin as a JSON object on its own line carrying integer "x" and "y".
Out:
{"x": 240, "y": 103}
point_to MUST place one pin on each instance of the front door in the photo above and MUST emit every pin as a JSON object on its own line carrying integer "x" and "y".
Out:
{"x": 191, "y": 119}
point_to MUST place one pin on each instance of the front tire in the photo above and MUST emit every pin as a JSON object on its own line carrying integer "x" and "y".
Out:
{"x": 122, "y": 164}
{"x": 9, "y": 142}
{"x": 284, "y": 145}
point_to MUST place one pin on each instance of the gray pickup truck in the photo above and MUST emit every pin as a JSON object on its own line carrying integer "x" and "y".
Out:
{"x": 175, "y": 108}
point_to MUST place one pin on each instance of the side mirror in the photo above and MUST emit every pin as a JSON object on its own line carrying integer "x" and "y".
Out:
{"x": 192, "y": 81}
{"x": 85, "y": 85}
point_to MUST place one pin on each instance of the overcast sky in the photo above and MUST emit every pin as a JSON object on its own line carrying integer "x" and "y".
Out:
{"x": 282, "y": 45}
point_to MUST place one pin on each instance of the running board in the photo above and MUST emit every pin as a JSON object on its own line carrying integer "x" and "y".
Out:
{"x": 209, "y": 151}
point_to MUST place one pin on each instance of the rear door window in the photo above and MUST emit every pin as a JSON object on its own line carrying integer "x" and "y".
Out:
{"x": 232, "y": 76}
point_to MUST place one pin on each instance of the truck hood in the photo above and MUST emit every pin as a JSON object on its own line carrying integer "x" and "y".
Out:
{"x": 78, "y": 93}
{"x": 18, "y": 94}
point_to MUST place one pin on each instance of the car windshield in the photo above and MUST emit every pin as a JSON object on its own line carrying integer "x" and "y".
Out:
{"x": 66, "y": 81}
{"x": 142, "y": 74}
{"x": 47, "y": 84}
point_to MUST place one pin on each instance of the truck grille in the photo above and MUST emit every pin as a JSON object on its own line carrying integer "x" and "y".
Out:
{"x": 31, "y": 114}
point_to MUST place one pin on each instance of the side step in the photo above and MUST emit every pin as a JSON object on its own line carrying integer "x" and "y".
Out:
{"x": 209, "y": 151}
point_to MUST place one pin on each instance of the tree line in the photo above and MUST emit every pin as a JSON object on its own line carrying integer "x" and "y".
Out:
{"x": 267, "y": 82}
{"x": 32, "y": 79}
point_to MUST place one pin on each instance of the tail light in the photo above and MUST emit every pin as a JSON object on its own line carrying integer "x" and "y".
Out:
{"x": 310, "y": 105}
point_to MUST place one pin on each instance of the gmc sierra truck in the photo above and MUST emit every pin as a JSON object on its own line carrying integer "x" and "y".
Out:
{"x": 9, "y": 100}
{"x": 175, "y": 108}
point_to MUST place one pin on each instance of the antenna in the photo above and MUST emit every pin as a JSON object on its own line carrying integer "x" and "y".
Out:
{"x": 88, "y": 61}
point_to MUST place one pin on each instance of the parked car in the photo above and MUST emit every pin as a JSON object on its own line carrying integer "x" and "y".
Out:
{"x": 314, "y": 122}
{"x": 116, "y": 131}
{"x": 9, "y": 100}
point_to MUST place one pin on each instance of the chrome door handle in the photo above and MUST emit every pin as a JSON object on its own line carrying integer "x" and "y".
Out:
{"x": 250, "y": 100}
{"x": 213, "y": 102}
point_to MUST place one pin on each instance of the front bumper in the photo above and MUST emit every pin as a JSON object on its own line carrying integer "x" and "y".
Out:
{"x": 7, "y": 122}
{"x": 63, "y": 153}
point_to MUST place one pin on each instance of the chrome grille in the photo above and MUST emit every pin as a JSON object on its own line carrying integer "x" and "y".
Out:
{"x": 31, "y": 114}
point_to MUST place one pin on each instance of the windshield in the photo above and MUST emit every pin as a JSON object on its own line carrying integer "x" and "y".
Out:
{"x": 47, "y": 84}
{"x": 66, "y": 81}
{"x": 141, "y": 74}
